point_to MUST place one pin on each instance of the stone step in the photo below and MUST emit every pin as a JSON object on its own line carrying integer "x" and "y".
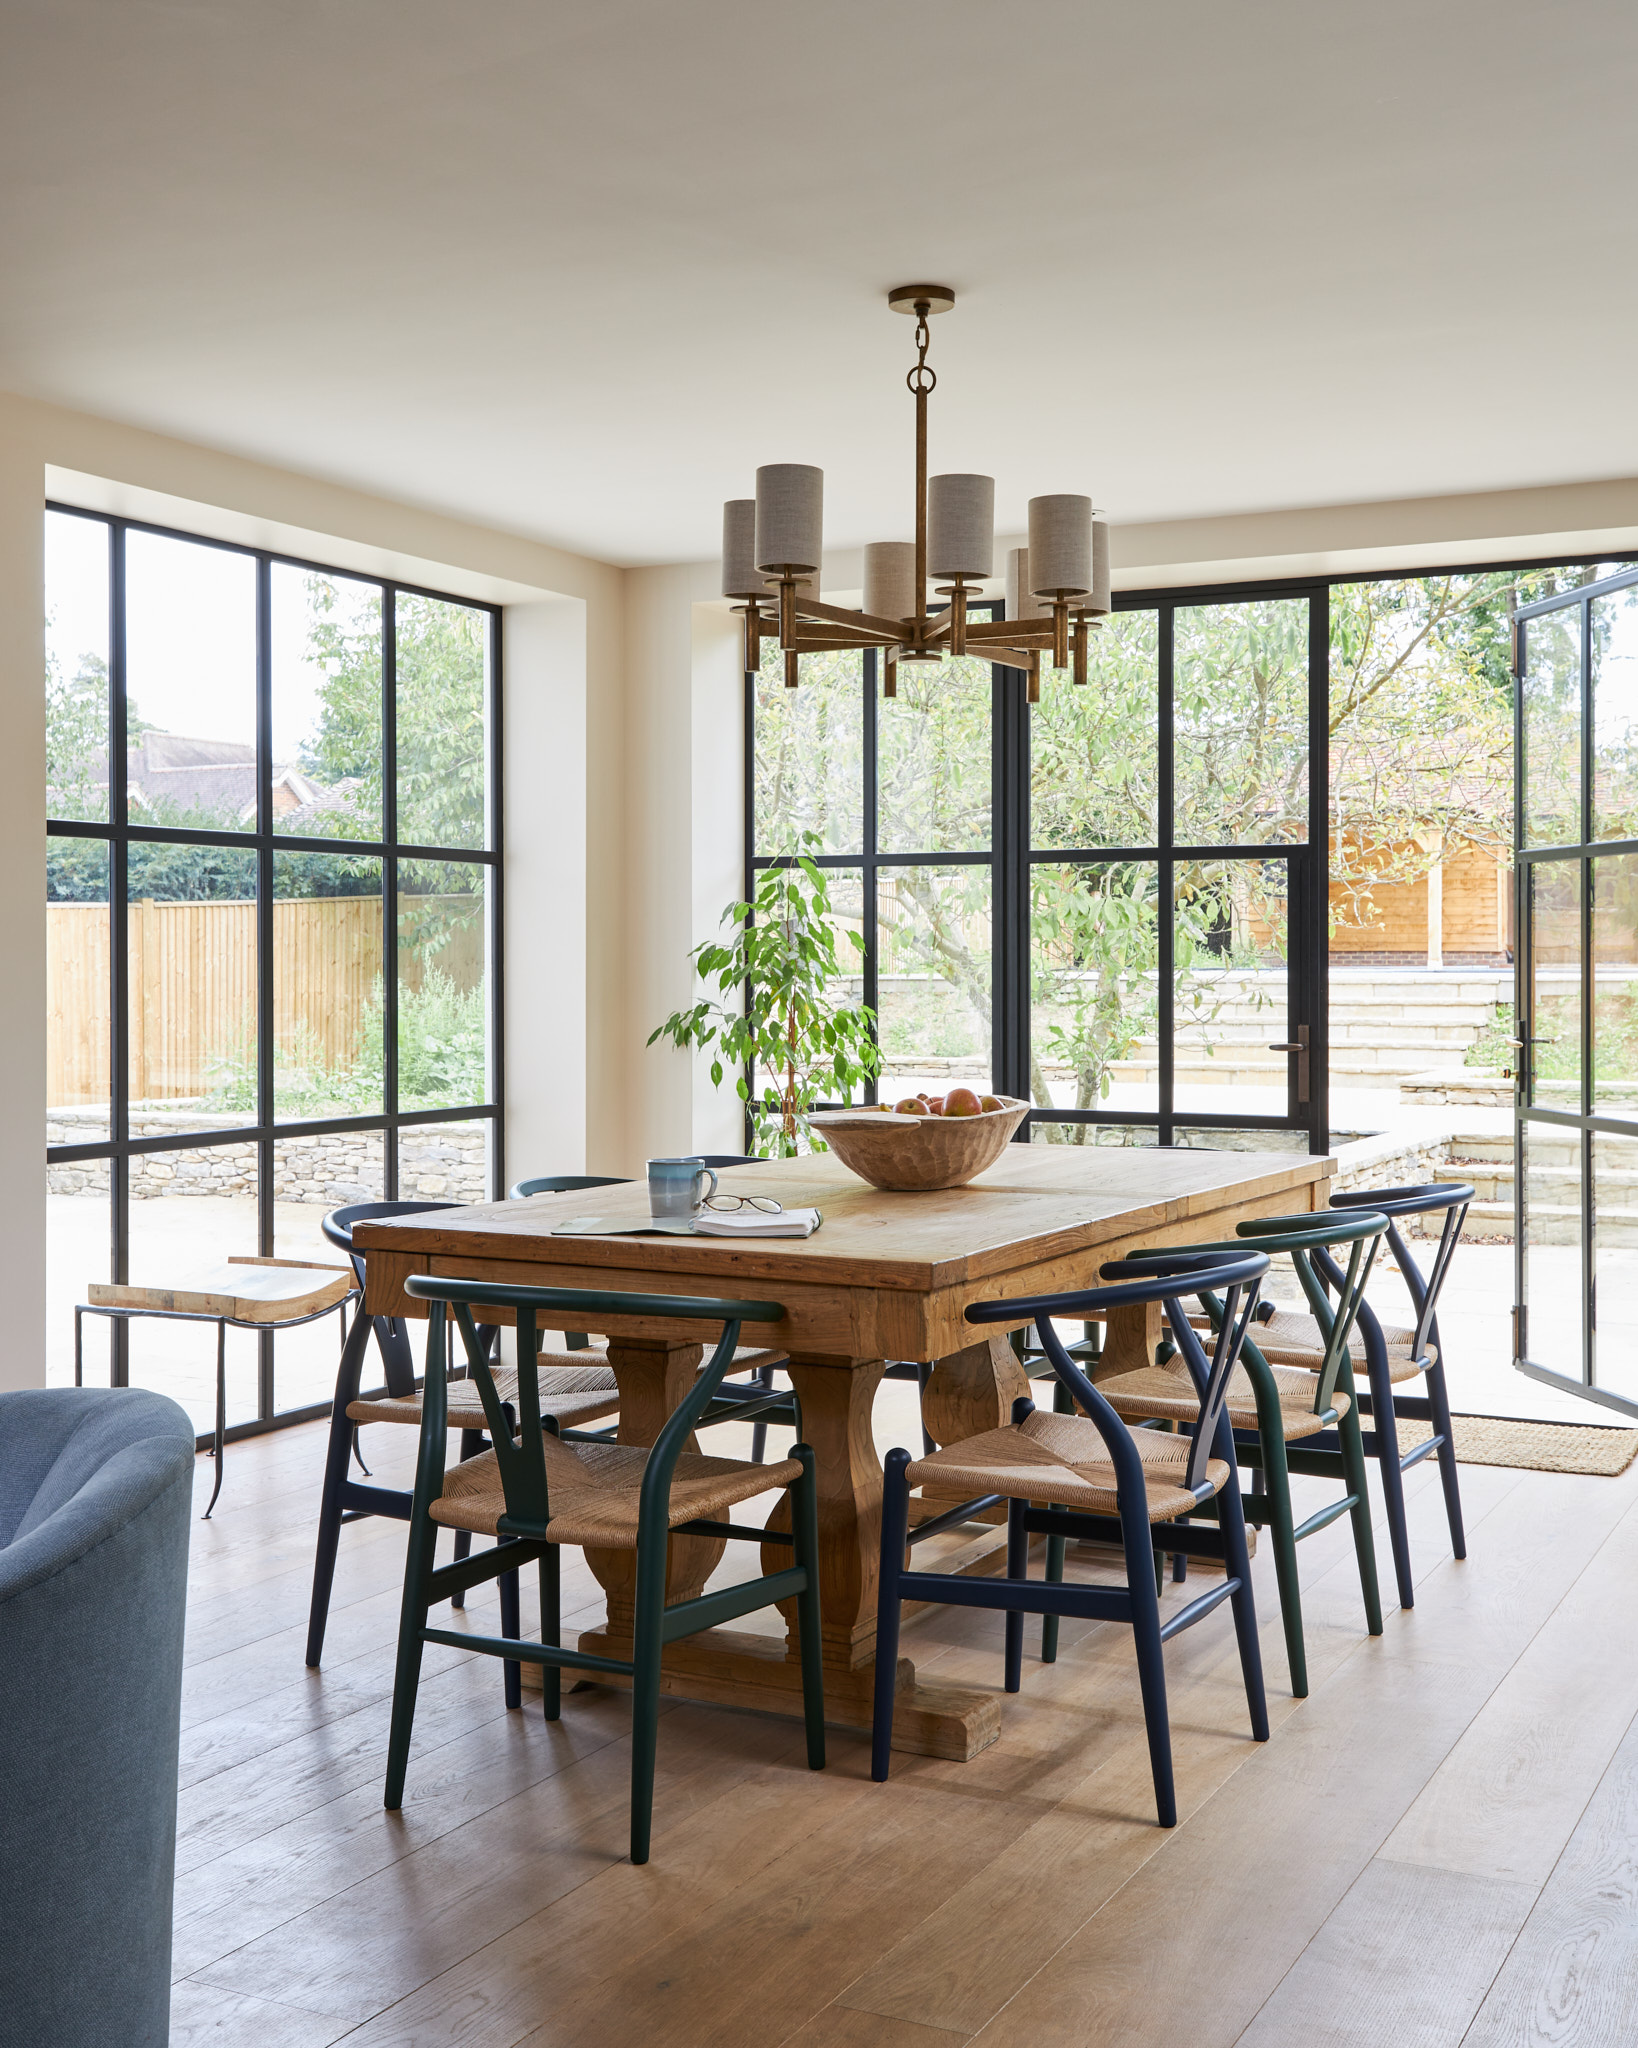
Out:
{"x": 1556, "y": 1223}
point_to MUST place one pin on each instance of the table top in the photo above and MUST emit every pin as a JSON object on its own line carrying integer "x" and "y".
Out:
{"x": 1038, "y": 1203}
{"x": 246, "y": 1290}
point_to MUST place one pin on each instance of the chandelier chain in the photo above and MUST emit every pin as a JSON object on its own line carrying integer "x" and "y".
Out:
{"x": 921, "y": 378}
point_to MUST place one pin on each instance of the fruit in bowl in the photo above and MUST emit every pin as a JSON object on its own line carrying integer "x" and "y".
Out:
{"x": 914, "y": 1148}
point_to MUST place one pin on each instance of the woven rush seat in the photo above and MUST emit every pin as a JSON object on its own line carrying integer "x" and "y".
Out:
{"x": 1063, "y": 1459}
{"x": 594, "y": 1491}
{"x": 571, "y": 1392}
{"x": 1291, "y": 1338}
{"x": 1161, "y": 1395}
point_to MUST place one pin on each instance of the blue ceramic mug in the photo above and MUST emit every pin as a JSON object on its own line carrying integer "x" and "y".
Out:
{"x": 677, "y": 1187}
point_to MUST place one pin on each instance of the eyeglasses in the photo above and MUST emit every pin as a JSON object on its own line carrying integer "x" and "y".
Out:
{"x": 765, "y": 1203}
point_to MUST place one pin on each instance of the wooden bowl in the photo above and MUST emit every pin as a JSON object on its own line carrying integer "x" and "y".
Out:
{"x": 915, "y": 1154}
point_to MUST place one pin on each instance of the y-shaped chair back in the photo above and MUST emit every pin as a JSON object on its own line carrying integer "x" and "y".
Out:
{"x": 391, "y": 1337}
{"x": 1231, "y": 1281}
{"x": 1424, "y": 1289}
{"x": 1306, "y": 1240}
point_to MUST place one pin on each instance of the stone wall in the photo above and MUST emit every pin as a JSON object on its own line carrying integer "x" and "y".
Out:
{"x": 447, "y": 1162}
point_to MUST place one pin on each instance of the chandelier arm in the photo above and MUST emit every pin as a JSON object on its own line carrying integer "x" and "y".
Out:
{"x": 833, "y": 642}
{"x": 837, "y": 615}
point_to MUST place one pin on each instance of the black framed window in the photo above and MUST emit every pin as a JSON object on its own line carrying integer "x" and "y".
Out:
{"x": 1079, "y": 901}
{"x": 273, "y": 925}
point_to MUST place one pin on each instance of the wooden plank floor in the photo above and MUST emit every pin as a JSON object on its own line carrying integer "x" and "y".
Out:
{"x": 1440, "y": 1846}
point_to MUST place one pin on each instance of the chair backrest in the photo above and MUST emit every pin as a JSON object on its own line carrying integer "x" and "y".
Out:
{"x": 562, "y": 1184}
{"x": 1451, "y": 1196}
{"x": 391, "y": 1337}
{"x": 1233, "y": 1275}
{"x": 729, "y": 1159}
{"x": 522, "y": 1462}
{"x": 1307, "y": 1239}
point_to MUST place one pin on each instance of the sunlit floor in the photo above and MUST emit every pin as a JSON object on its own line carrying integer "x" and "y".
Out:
{"x": 1434, "y": 1849}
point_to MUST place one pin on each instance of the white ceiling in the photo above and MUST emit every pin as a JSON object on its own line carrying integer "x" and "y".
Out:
{"x": 576, "y": 269}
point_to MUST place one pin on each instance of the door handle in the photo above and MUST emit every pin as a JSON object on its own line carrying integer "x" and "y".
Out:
{"x": 1298, "y": 1045}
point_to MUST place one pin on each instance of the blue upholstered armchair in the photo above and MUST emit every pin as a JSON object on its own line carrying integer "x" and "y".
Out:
{"x": 95, "y": 1487}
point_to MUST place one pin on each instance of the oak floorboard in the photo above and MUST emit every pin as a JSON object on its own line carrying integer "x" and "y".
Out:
{"x": 203, "y": 2017}
{"x": 1292, "y": 1830}
{"x": 1571, "y": 1980}
{"x": 840, "y": 2026}
{"x": 1406, "y": 1958}
{"x": 1506, "y": 1799}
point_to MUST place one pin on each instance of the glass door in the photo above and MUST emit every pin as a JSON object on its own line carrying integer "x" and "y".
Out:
{"x": 1576, "y": 1130}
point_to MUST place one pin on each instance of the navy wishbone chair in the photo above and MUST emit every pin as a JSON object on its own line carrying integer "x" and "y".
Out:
{"x": 1092, "y": 1476}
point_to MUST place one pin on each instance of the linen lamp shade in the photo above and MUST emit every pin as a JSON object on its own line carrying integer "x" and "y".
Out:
{"x": 960, "y": 525}
{"x": 890, "y": 579}
{"x": 1060, "y": 546}
{"x": 740, "y": 576}
{"x": 789, "y": 517}
{"x": 1099, "y": 604}
{"x": 1022, "y": 603}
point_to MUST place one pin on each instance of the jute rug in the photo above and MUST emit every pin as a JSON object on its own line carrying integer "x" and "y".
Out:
{"x": 1534, "y": 1446}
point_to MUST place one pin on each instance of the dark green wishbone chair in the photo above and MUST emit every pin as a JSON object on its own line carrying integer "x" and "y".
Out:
{"x": 1278, "y": 1412}
{"x": 534, "y": 1492}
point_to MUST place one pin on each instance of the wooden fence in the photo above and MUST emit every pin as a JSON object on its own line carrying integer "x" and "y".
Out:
{"x": 193, "y": 985}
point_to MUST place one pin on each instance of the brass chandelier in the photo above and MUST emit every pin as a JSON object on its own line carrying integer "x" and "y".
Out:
{"x": 1056, "y": 589}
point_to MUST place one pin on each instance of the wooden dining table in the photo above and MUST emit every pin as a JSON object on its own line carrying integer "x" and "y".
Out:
{"x": 888, "y": 1276}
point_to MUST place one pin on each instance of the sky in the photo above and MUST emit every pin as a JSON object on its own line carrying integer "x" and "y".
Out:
{"x": 190, "y": 631}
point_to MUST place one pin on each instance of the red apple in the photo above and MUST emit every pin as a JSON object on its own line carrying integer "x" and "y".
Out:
{"x": 961, "y": 1102}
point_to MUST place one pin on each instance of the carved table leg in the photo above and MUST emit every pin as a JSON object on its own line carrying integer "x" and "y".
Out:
{"x": 654, "y": 1377}
{"x": 742, "y": 1668}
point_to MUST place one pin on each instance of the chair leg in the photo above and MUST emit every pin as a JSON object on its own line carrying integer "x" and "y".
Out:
{"x": 472, "y": 1442}
{"x": 511, "y": 1625}
{"x": 551, "y": 1626}
{"x": 895, "y": 1530}
{"x": 1353, "y": 1473}
{"x": 1237, "y": 1561}
{"x": 1439, "y": 1401}
{"x": 343, "y": 1437}
{"x": 1276, "y": 1490}
{"x": 762, "y": 1377}
{"x": 1151, "y": 1664}
{"x": 646, "y": 1649}
{"x": 419, "y": 1558}
{"x": 1055, "y": 1547}
{"x": 1017, "y": 1568}
{"x": 1385, "y": 1423}
{"x": 810, "y": 1641}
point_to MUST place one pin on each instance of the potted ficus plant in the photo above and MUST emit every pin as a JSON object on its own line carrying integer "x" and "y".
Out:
{"x": 776, "y": 1020}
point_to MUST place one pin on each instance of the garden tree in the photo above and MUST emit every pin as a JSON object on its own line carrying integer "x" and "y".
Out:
{"x": 77, "y": 738}
{"x": 440, "y": 652}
